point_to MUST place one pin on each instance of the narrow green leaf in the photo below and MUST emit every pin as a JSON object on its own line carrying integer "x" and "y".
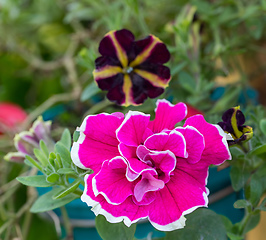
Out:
{"x": 263, "y": 126}
{"x": 262, "y": 206}
{"x": 41, "y": 157}
{"x": 66, "y": 139}
{"x": 35, "y": 181}
{"x": 241, "y": 203}
{"x": 66, "y": 171}
{"x": 52, "y": 178}
{"x": 76, "y": 136}
{"x": 111, "y": 231}
{"x": 201, "y": 224}
{"x": 46, "y": 202}
{"x": 44, "y": 148}
{"x": 89, "y": 91}
{"x": 30, "y": 160}
{"x": 71, "y": 188}
{"x": 258, "y": 150}
{"x": 64, "y": 154}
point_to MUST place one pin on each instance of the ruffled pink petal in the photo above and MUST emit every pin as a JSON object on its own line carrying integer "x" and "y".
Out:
{"x": 167, "y": 115}
{"x": 97, "y": 141}
{"x": 136, "y": 168}
{"x": 128, "y": 211}
{"x": 216, "y": 148}
{"x": 148, "y": 183}
{"x": 147, "y": 199}
{"x": 165, "y": 161}
{"x": 180, "y": 196}
{"x": 111, "y": 181}
{"x": 174, "y": 141}
{"x": 198, "y": 171}
{"x": 194, "y": 143}
{"x": 127, "y": 151}
{"x": 132, "y": 129}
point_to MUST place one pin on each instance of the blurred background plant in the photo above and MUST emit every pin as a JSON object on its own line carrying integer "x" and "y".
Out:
{"x": 47, "y": 53}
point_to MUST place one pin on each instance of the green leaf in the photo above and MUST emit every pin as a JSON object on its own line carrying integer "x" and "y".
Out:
{"x": 46, "y": 202}
{"x": 233, "y": 236}
{"x": 44, "y": 148}
{"x": 34, "y": 181}
{"x": 71, "y": 188}
{"x": 89, "y": 91}
{"x": 201, "y": 224}
{"x": 41, "y": 157}
{"x": 66, "y": 139}
{"x": 76, "y": 136}
{"x": 254, "y": 191}
{"x": 32, "y": 163}
{"x": 258, "y": 150}
{"x": 111, "y": 231}
{"x": 52, "y": 178}
{"x": 64, "y": 154}
{"x": 262, "y": 206}
{"x": 238, "y": 177}
{"x": 241, "y": 203}
{"x": 65, "y": 171}
{"x": 187, "y": 82}
{"x": 263, "y": 126}
{"x": 252, "y": 222}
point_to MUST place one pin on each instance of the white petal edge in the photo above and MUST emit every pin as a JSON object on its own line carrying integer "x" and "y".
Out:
{"x": 97, "y": 209}
{"x": 170, "y": 104}
{"x": 75, "y": 151}
{"x": 224, "y": 135}
{"x": 180, "y": 223}
{"x": 128, "y": 115}
{"x": 94, "y": 187}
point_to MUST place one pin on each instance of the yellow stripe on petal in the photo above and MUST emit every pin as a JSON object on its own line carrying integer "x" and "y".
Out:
{"x": 127, "y": 90}
{"x": 120, "y": 52}
{"x": 107, "y": 71}
{"x": 145, "y": 53}
{"x": 154, "y": 79}
{"x": 237, "y": 133}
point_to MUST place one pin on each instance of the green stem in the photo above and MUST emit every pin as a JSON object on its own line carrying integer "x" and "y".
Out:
{"x": 67, "y": 223}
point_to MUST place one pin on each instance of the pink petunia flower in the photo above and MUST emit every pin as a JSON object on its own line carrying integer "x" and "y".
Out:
{"x": 148, "y": 169}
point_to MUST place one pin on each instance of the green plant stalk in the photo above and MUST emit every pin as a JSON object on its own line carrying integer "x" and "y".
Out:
{"x": 67, "y": 223}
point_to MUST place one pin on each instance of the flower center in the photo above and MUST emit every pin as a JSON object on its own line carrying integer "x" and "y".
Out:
{"x": 127, "y": 70}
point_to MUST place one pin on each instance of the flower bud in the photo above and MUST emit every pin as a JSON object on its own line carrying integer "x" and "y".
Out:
{"x": 233, "y": 124}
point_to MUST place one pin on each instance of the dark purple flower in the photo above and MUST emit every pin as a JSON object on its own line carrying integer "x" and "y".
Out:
{"x": 131, "y": 70}
{"x": 233, "y": 123}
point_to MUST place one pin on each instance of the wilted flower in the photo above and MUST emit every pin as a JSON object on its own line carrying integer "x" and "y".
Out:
{"x": 11, "y": 115}
{"x": 26, "y": 141}
{"x": 233, "y": 123}
{"x": 148, "y": 169}
{"x": 131, "y": 70}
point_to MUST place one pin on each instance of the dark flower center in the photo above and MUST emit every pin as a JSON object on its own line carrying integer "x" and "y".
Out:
{"x": 127, "y": 70}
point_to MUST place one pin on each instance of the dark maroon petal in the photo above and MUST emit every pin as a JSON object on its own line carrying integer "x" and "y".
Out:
{"x": 228, "y": 115}
{"x": 111, "y": 82}
{"x": 240, "y": 118}
{"x": 159, "y": 54}
{"x": 107, "y": 48}
{"x": 103, "y": 61}
{"x": 139, "y": 46}
{"x": 160, "y": 70}
{"x": 116, "y": 95}
{"x": 125, "y": 38}
{"x": 143, "y": 89}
